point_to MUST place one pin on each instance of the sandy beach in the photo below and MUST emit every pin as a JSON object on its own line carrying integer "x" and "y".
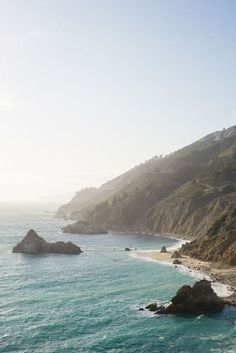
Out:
{"x": 223, "y": 277}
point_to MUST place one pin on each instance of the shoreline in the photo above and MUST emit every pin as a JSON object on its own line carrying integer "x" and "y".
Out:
{"x": 222, "y": 277}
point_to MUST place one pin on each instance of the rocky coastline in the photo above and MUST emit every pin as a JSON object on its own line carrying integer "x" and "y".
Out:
{"x": 216, "y": 272}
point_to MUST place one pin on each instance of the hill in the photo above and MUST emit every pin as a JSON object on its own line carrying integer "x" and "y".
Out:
{"x": 191, "y": 192}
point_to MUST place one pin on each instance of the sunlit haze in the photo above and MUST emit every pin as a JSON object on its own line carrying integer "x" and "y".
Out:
{"x": 89, "y": 89}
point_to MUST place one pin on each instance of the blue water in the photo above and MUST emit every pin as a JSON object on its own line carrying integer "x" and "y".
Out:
{"x": 89, "y": 302}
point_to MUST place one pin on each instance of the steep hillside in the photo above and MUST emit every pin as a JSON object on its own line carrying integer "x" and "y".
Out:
{"x": 80, "y": 200}
{"x": 186, "y": 192}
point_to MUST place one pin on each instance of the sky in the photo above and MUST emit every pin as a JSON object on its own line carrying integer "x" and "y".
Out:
{"x": 91, "y": 88}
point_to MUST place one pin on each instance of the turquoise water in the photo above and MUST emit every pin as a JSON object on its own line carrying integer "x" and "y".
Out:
{"x": 89, "y": 303}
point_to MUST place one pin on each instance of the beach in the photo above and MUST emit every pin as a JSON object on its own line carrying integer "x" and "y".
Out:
{"x": 223, "y": 277}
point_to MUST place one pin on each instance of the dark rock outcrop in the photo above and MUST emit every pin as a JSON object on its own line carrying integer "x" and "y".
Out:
{"x": 33, "y": 244}
{"x": 194, "y": 300}
{"x": 154, "y": 307}
{"x": 81, "y": 227}
{"x": 127, "y": 249}
{"x": 163, "y": 249}
{"x": 151, "y": 307}
{"x": 177, "y": 262}
{"x": 176, "y": 255}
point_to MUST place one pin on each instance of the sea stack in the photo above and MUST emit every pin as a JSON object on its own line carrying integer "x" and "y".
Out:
{"x": 33, "y": 244}
{"x": 163, "y": 249}
{"x": 199, "y": 298}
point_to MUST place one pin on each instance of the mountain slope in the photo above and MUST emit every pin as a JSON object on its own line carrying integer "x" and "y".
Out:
{"x": 185, "y": 193}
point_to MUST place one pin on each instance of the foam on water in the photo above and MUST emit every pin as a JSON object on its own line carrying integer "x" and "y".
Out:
{"x": 89, "y": 303}
{"x": 221, "y": 289}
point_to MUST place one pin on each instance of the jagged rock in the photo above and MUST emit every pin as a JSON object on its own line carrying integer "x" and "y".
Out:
{"x": 177, "y": 262}
{"x": 193, "y": 300}
{"x": 151, "y": 307}
{"x": 33, "y": 244}
{"x": 176, "y": 255}
{"x": 163, "y": 249}
{"x": 159, "y": 308}
{"x": 81, "y": 227}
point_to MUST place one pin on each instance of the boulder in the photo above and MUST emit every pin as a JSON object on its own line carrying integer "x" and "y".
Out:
{"x": 177, "y": 262}
{"x": 151, "y": 307}
{"x": 176, "y": 255}
{"x": 163, "y": 249}
{"x": 194, "y": 300}
{"x": 33, "y": 244}
{"x": 81, "y": 227}
{"x": 127, "y": 249}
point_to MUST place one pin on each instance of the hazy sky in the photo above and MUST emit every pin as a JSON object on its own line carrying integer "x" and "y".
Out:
{"x": 90, "y": 88}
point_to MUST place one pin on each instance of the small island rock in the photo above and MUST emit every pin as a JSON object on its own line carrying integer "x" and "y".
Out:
{"x": 163, "y": 249}
{"x": 33, "y": 244}
{"x": 194, "y": 300}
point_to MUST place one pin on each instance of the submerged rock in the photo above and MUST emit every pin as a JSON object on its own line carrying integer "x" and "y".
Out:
{"x": 163, "y": 249}
{"x": 33, "y": 244}
{"x": 154, "y": 307}
{"x": 81, "y": 227}
{"x": 193, "y": 300}
{"x": 127, "y": 249}
{"x": 151, "y": 307}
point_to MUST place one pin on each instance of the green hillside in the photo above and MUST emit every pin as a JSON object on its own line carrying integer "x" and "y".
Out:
{"x": 187, "y": 192}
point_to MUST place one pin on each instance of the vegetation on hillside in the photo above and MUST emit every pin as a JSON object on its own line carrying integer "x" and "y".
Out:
{"x": 189, "y": 192}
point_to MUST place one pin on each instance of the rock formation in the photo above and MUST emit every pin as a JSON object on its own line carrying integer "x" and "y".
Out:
{"x": 194, "y": 300}
{"x": 33, "y": 244}
{"x": 151, "y": 307}
{"x": 191, "y": 192}
{"x": 176, "y": 255}
{"x": 163, "y": 249}
{"x": 177, "y": 262}
{"x": 81, "y": 227}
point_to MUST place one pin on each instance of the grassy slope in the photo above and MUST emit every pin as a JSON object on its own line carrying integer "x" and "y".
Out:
{"x": 184, "y": 193}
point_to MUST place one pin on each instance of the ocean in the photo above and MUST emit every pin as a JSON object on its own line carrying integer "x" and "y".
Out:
{"x": 89, "y": 303}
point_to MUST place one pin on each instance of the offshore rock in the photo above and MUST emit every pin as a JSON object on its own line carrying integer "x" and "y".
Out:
{"x": 194, "y": 300}
{"x": 33, "y": 244}
{"x": 163, "y": 249}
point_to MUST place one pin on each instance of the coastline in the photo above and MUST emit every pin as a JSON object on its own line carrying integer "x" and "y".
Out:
{"x": 223, "y": 278}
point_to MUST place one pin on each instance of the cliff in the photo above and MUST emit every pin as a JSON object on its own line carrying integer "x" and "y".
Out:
{"x": 189, "y": 192}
